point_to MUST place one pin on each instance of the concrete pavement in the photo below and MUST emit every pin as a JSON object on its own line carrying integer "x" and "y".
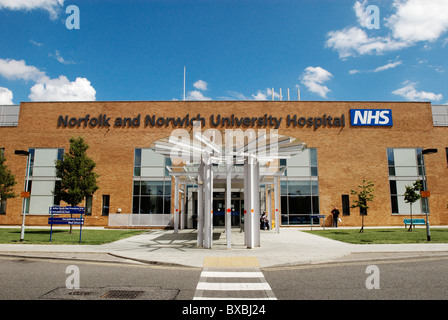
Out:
{"x": 291, "y": 246}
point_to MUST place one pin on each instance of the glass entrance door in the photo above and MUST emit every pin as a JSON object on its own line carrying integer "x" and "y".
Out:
{"x": 237, "y": 201}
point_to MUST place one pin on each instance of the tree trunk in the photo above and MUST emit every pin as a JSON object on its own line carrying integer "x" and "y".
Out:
{"x": 410, "y": 227}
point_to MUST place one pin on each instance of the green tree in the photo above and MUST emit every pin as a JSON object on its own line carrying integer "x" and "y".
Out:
{"x": 411, "y": 195}
{"x": 76, "y": 172}
{"x": 364, "y": 195}
{"x": 7, "y": 181}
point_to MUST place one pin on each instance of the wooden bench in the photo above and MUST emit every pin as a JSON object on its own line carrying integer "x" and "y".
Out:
{"x": 414, "y": 222}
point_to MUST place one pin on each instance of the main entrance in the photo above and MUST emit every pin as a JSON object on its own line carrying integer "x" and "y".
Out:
{"x": 247, "y": 159}
{"x": 236, "y": 207}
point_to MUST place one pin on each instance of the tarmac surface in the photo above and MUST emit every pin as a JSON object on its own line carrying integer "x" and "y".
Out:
{"x": 291, "y": 246}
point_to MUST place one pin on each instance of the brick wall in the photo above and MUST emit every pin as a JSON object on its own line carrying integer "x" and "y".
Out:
{"x": 346, "y": 155}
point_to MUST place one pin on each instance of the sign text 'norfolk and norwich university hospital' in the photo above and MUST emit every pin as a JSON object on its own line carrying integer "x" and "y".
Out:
{"x": 308, "y": 156}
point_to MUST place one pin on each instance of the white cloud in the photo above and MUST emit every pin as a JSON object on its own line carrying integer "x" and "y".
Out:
{"x": 419, "y": 20}
{"x": 410, "y": 93}
{"x": 18, "y": 70}
{"x": 314, "y": 77}
{"x": 196, "y": 95}
{"x": 58, "y": 57}
{"x": 37, "y": 44}
{"x": 412, "y": 21}
{"x": 360, "y": 11}
{"x": 265, "y": 94}
{"x": 61, "y": 89}
{"x": 388, "y": 66}
{"x": 46, "y": 89}
{"x": 5, "y": 96}
{"x": 355, "y": 41}
{"x": 52, "y": 6}
{"x": 200, "y": 85}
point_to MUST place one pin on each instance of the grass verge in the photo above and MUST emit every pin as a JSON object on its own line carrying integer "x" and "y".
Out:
{"x": 382, "y": 236}
{"x": 63, "y": 236}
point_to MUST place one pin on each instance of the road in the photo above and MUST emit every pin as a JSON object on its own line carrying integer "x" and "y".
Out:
{"x": 32, "y": 278}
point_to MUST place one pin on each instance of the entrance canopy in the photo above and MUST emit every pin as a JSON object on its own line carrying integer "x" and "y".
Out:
{"x": 227, "y": 157}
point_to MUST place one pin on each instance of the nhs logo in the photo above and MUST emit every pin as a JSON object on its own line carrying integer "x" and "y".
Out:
{"x": 371, "y": 117}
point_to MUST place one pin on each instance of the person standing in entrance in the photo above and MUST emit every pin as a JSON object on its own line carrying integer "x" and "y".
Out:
{"x": 335, "y": 213}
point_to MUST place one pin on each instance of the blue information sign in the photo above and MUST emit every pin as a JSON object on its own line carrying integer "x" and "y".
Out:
{"x": 77, "y": 221}
{"x": 67, "y": 221}
{"x": 72, "y": 210}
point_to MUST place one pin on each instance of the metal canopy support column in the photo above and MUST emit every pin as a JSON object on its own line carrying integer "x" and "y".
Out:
{"x": 183, "y": 199}
{"x": 246, "y": 201}
{"x": 208, "y": 205}
{"x": 200, "y": 206}
{"x": 269, "y": 205}
{"x": 251, "y": 208}
{"x": 277, "y": 203}
{"x": 176, "y": 204}
{"x": 256, "y": 213}
{"x": 228, "y": 214}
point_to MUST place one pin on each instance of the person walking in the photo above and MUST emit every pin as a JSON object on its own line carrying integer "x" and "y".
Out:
{"x": 335, "y": 213}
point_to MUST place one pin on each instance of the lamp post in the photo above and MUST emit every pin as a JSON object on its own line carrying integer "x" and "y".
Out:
{"x": 427, "y": 151}
{"x": 27, "y": 154}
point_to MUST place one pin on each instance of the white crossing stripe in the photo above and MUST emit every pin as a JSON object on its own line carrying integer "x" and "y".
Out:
{"x": 221, "y": 279}
{"x": 232, "y": 286}
{"x": 230, "y": 274}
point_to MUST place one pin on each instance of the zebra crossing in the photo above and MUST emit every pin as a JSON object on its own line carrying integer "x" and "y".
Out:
{"x": 232, "y": 278}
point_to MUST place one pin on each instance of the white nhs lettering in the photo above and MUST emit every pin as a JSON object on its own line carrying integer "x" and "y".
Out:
{"x": 361, "y": 117}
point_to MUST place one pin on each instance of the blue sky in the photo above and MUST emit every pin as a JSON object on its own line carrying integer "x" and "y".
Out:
{"x": 232, "y": 50}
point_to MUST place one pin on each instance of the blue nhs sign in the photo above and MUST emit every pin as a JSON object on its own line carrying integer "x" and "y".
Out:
{"x": 371, "y": 117}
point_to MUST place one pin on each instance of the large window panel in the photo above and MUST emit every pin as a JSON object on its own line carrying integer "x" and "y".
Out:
{"x": 405, "y": 157}
{"x": 405, "y": 167}
{"x": 42, "y": 179}
{"x": 44, "y": 162}
{"x": 41, "y": 204}
{"x": 152, "y": 197}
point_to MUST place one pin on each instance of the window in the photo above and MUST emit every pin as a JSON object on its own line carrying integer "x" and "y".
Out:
{"x": 42, "y": 179}
{"x": 147, "y": 163}
{"x": 105, "y": 208}
{"x": 299, "y": 199}
{"x": 302, "y": 165}
{"x": 405, "y": 167}
{"x": 446, "y": 152}
{"x": 345, "y": 205}
{"x": 152, "y": 197}
{"x": 2, "y": 152}
{"x": 3, "y": 206}
{"x": 89, "y": 201}
{"x": 300, "y": 188}
{"x": 152, "y": 183}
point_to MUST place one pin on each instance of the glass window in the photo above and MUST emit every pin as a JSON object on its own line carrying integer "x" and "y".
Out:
{"x": 302, "y": 165}
{"x": 42, "y": 174}
{"x": 297, "y": 188}
{"x": 105, "y": 208}
{"x": 148, "y": 163}
{"x": 3, "y": 206}
{"x": 406, "y": 166}
{"x": 152, "y": 197}
{"x": 299, "y": 200}
{"x": 446, "y": 152}
{"x": 89, "y": 200}
{"x": 345, "y": 205}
